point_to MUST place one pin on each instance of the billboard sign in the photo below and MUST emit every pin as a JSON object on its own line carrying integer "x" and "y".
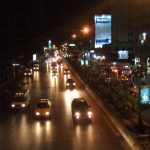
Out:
{"x": 34, "y": 57}
{"x": 123, "y": 54}
{"x": 102, "y": 30}
{"x": 145, "y": 94}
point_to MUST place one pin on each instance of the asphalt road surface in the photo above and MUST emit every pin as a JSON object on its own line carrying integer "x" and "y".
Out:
{"x": 21, "y": 131}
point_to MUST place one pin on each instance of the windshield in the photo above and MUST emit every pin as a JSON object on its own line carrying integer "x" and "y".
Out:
{"x": 80, "y": 105}
{"x": 42, "y": 105}
{"x": 19, "y": 99}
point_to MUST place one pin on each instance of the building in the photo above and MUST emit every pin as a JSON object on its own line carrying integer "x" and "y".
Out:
{"x": 122, "y": 30}
{"x": 142, "y": 32}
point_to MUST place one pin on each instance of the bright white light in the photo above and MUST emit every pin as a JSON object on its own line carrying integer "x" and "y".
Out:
{"x": 23, "y": 105}
{"x": 90, "y": 114}
{"x": 13, "y": 105}
{"x": 47, "y": 113}
{"x": 37, "y": 113}
{"x": 77, "y": 115}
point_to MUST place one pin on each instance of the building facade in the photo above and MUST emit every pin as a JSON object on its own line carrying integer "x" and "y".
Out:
{"x": 122, "y": 28}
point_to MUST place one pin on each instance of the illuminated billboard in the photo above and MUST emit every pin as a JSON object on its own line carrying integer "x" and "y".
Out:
{"x": 123, "y": 54}
{"x": 102, "y": 30}
{"x": 145, "y": 94}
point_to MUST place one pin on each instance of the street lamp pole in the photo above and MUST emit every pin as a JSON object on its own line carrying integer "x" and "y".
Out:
{"x": 85, "y": 30}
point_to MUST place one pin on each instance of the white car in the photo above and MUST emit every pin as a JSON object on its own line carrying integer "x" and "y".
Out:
{"x": 21, "y": 99}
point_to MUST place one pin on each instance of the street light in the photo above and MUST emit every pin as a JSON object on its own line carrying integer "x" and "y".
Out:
{"x": 85, "y": 30}
{"x": 74, "y": 36}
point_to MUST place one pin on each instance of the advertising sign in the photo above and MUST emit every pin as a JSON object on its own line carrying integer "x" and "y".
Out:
{"x": 123, "y": 54}
{"x": 102, "y": 30}
{"x": 145, "y": 94}
{"x": 34, "y": 57}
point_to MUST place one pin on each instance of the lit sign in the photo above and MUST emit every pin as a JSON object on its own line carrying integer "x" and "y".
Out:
{"x": 49, "y": 44}
{"x": 72, "y": 45}
{"x": 145, "y": 94}
{"x": 102, "y": 30}
{"x": 123, "y": 54}
{"x": 34, "y": 57}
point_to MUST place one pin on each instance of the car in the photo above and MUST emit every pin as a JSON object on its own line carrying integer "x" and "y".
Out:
{"x": 36, "y": 67}
{"x": 53, "y": 65}
{"x": 54, "y": 73}
{"x": 28, "y": 72}
{"x": 43, "y": 109}
{"x": 20, "y": 100}
{"x": 102, "y": 73}
{"x": 66, "y": 71}
{"x": 123, "y": 78}
{"x": 81, "y": 110}
{"x": 134, "y": 90}
{"x": 70, "y": 84}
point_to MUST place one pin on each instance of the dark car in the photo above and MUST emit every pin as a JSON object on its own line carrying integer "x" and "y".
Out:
{"x": 66, "y": 71}
{"x": 81, "y": 110}
{"x": 70, "y": 84}
{"x": 28, "y": 72}
{"x": 102, "y": 73}
{"x": 54, "y": 73}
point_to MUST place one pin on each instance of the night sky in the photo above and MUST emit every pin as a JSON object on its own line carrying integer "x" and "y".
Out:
{"x": 27, "y": 25}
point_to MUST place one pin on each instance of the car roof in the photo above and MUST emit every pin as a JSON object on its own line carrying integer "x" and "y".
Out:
{"x": 79, "y": 100}
{"x": 44, "y": 100}
{"x": 70, "y": 79}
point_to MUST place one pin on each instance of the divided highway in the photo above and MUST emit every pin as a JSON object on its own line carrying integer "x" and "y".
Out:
{"x": 21, "y": 131}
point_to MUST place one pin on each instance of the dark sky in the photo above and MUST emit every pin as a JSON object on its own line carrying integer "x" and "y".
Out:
{"x": 69, "y": 16}
{"x": 29, "y": 24}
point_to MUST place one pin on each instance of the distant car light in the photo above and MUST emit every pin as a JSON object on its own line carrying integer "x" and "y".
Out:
{"x": 47, "y": 113}
{"x": 13, "y": 105}
{"x": 77, "y": 115}
{"x": 90, "y": 114}
{"x": 23, "y": 105}
{"x": 37, "y": 113}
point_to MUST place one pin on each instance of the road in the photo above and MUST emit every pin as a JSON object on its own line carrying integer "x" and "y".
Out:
{"x": 20, "y": 130}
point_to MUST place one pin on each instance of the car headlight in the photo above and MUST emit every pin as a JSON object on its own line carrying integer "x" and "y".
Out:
{"x": 37, "y": 113}
{"x": 47, "y": 113}
{"x": 77, "y": 115}
{"x": 23, "y": 105}
{"x": 13, "y": 105}
{"x": 90, "y": 114}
